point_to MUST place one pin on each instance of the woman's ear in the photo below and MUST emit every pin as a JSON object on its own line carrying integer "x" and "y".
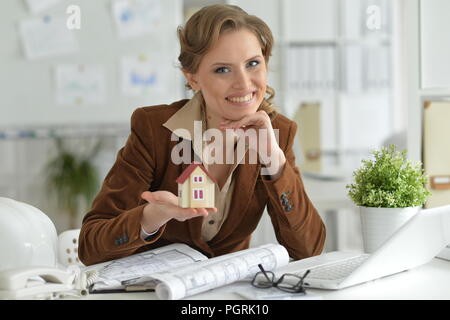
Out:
{"x": 191, "y": 79}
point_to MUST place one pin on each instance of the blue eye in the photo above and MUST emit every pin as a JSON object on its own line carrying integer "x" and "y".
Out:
{"x": 253, "y": 63}
{"x": 221, "y": 70}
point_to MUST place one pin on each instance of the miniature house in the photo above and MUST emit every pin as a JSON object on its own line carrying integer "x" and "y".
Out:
{"x": 196, "y": 187}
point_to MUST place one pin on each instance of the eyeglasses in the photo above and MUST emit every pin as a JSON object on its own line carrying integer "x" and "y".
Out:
{"x": 288, "y": 282}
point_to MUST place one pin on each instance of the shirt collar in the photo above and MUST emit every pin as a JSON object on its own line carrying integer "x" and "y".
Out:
{"x": 184, "y": 118}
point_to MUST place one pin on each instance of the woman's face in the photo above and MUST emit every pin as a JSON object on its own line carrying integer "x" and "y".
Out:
{"x": 232, "y": 76}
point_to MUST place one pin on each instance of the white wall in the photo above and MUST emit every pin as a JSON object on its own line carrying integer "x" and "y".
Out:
{"x": 434, "y": 44}
{"x": 28, "y": 100}
{"x": 28, "y": 95}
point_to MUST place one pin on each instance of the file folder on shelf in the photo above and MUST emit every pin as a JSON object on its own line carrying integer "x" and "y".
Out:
{"x": 436, "y": 155}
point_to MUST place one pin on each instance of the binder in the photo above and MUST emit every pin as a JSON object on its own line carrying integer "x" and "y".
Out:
{"x": 307, "y": 118}
{"x": 436, "y": 151}
{"x": 436, "y": 156}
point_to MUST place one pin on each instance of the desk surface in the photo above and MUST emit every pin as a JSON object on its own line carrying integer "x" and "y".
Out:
{"x": 430, "y": 281}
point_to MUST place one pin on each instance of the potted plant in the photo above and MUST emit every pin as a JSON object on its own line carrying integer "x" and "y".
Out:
{"x": 389, "y": 191}
{"x": 72, "y": 178}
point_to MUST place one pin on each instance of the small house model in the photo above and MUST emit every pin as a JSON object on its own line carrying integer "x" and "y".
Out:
{"x": 196, "y": 187}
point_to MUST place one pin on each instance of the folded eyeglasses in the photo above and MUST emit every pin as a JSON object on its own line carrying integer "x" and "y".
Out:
{"x": 288, "y": 282}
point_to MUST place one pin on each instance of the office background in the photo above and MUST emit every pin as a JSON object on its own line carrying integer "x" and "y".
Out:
{"x": 353, "y": 73}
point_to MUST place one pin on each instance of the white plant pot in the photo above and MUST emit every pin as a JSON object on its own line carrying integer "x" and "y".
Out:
{"x": 379, "y": 224}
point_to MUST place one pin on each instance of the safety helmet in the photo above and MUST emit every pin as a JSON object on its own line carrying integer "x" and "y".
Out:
{"x": 27, "y": 236}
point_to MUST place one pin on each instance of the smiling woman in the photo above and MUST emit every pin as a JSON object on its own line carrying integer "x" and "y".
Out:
{"x": 224, "y": 57}
{"x": 202, "y": 52}
{"x": 235, "y": 88}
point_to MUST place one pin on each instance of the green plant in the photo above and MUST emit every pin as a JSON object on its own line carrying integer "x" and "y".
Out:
{"x": 389, "y": 181}
{"x": 72, "y": 179}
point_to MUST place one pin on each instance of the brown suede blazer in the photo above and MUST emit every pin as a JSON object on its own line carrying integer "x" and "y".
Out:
{"x": 111, "y": 229}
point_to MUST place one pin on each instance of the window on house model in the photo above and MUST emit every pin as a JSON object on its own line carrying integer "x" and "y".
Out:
{"x": 198, "y": 179}
{"x": 198, "y": 194}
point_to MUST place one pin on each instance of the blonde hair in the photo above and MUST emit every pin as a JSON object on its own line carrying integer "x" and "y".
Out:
{"x": 203, "y": 29}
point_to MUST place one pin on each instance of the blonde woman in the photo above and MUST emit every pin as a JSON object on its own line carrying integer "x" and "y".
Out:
{"x": 224, "y": 57}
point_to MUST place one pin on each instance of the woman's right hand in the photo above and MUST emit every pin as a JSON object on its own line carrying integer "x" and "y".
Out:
{"x": 163, "y": 206}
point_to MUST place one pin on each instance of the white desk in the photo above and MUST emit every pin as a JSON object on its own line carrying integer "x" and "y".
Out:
{"x": 430, "y": 281}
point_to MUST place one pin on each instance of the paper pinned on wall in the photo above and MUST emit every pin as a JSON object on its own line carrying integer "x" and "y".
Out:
{"x": 141, "y": 74}
{"x": 137, "y": 17}
{"x": 79, "y": 84}
{"x": 46, "y": 36}
{"x": 37, "y": 6}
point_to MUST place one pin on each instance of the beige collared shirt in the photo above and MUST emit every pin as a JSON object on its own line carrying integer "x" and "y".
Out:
{"x": 184, "y": 119}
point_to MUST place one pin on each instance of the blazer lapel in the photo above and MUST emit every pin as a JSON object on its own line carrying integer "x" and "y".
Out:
{"x": 246, "y": 176}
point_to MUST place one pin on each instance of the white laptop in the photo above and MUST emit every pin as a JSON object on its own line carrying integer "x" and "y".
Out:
{"x": 414, "y": 244}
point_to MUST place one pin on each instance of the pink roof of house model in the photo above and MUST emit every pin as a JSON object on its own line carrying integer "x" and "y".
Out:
{"x": 186, "y": 173}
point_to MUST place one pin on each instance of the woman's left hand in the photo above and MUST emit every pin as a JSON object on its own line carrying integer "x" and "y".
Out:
{"x": 265, "y": 144}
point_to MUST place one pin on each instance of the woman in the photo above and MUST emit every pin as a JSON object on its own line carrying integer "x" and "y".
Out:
{"x": 224, "y": 57}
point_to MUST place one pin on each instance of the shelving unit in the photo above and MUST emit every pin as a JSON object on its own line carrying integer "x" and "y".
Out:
{"x": 426, "y": 73}
{"x": 345, "y": 107}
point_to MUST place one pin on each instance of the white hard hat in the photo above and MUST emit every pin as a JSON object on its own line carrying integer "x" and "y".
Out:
{"x": 27, "y": 236}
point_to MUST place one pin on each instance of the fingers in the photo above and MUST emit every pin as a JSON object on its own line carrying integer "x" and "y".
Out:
{"x": 206, "y": 211}
{"x": 168, "y": 202}
{"x": 230, "y": 124}
{"x": 183, "y": 214}
{"x": 198, "y": 212}
{"x": 160, "y": 197}
{"x": 258, "y": 120}
{"x": 225, "y": 123}
{"x": 201, "y": 212}
{"x": 147, "y": 196}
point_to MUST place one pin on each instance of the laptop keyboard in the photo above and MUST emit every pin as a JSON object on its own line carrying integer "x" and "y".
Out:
{"x": 337, "y": 270}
